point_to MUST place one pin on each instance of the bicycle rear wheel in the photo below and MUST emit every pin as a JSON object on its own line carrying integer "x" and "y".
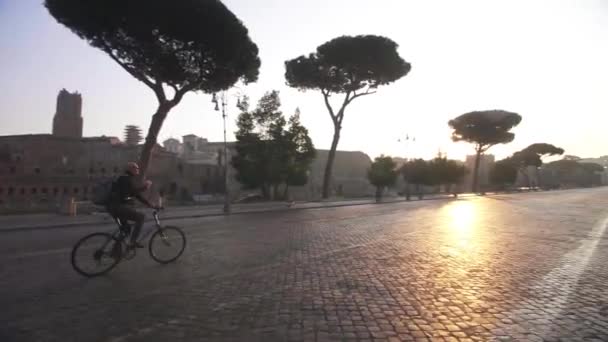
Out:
{"x": 167, "y": 244}
{"x": 96, "y": 254}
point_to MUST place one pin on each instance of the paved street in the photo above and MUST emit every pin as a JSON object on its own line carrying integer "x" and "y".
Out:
{"x": 522, "y": 267}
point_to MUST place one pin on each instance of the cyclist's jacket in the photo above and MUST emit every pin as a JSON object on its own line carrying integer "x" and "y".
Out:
{"x": 124, "y": 189}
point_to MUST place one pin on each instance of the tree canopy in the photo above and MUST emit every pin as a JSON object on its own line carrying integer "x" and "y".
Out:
{"x": 351, "y": 65}
{"x": 268, "y": 153}
{"x": 532, "y": 155}
{"x": 504, "y": 172}
{"x": 484, "y": 129}
{"x": 382, "y": 174}
{"x": 348, "y": 64}
{"x": 170, "y": 46}
{"x": 445, "y": 171}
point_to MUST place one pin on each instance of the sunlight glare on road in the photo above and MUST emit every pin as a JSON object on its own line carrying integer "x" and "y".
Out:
{"x": 461, "y": 223}
{"x": 462, "y": 216}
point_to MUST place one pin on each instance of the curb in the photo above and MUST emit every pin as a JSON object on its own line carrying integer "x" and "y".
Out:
{"x": 261, "y": 211}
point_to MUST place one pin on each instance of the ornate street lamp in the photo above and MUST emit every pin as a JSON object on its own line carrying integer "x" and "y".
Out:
{"x": 406, "y": 140}
{"x": 223, "y": 101}
{"x": 215, "y": 100}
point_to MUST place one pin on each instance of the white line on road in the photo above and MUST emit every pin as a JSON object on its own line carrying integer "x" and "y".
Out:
{"x": 551, "y": 294}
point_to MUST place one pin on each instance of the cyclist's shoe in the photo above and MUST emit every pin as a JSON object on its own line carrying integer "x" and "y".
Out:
{"x": 136, "y": 245}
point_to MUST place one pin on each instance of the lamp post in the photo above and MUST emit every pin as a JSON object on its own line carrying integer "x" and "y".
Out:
{"x": 407, "y": 183}
{"x": 222, "y": 100}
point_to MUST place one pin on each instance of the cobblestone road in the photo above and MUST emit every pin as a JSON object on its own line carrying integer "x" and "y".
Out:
{"x": 525, "y": 267}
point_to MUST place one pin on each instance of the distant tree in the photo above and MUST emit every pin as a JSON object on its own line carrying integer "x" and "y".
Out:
{"x": 532, "y": 156}
{"x": 572, "y": 173}
{"x": 504, "y": 173}
{"x": 132, "y": 135}
{"x": 353, "y": 66}
{"x": 301, "y": 152}
{"x": 382, "y": 174}
{"x": 592, "y": 167}
{"x": 170, "y": 46}
{"x": 268, "y": 153}
{"x": 484, "y": 129}
{"x": 447, "y": 172}
{"x": 417, "y": 172}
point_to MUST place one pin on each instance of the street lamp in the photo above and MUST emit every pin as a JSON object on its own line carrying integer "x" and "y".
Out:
{"x": 407, "y": 183}
{"x": 215, "y": 100}
{"x": 223, "y": 101}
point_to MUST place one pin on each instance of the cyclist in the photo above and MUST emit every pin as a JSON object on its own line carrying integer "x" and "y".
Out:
{"x": 120, "y": 205}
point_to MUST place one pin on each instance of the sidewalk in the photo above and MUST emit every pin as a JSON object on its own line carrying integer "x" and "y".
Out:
{"x": 45, "y": 221}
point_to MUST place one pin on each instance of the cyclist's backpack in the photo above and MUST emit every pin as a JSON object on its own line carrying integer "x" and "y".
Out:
{"x": 102, "y": 191}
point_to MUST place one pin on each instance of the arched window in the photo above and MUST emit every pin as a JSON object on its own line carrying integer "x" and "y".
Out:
{"x": 65, "y": 190}
{"x": 37, "y": 170}
{"x": 22, "y": 191}
{"x": 34, "y": 191}
{"x": 55, "y": 191}
{"x": 45, "y": 190}
{"x": 11, "y": 190}
{"x": 75, "y": 190}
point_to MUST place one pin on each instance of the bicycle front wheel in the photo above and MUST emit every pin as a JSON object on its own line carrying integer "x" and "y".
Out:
{"x": 96, "y": 254}
{"x": 167, "y": 244}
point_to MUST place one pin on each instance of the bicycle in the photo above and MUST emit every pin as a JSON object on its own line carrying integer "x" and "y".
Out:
{"x": 110, "y": 249}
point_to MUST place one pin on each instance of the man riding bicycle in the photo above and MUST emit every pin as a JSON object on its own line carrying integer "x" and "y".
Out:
{"x": 120, "y": 205}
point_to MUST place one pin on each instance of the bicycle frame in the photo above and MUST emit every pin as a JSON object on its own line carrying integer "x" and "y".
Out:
{"x": 117, "y": 234}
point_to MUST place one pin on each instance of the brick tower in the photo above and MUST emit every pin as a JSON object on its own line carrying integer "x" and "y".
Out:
{"x": 68, "y": 118}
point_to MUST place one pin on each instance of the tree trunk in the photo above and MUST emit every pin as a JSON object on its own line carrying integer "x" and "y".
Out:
{"x": 330, "y": 162}
{"x": 157, "y": 122}
{"x": 525, "y": 173}
{"x": 476, "y": 171}
{"x": 378, "y": 194}
{"x": 275, "y": 192}
{"x": 265, "y": 191}
{"x": 286, "y": 192}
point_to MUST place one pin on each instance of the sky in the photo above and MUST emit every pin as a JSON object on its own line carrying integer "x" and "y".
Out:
{"x": 543, "y": 59}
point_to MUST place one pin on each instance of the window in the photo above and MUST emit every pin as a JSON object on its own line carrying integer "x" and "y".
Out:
{"x": 37, "y": 170}
{"x": 12, "y": 170}
{"x": 34, "y": 191}
{"x": 85, "y": 190}
{"x": 75, "y": 190}
{"x": 115, "y": 170}
{"x": 11, "y": 190}
{"x": 65, "y": 190}
{"x": 103, "y": 170}
{"x": 45, "y": 190}
{"x": 91, "y": 170}
{"x": 22, "y": 191}
{"x": 1, "y": 191}
{"x": 55, "y": 191}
